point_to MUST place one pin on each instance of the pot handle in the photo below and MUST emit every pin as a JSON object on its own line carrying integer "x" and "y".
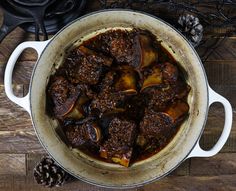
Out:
{"x": 197, "y": 150}
{"x": 21, "y": 101}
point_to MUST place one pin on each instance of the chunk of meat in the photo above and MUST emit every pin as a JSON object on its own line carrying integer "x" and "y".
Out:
{"x": 135, "y": 106}
{"x": 60, "y": 89}
{"x": 63, "y": 95}
{"x": 118, "y": 147}
{"x": 155, "y": 125}
{"x": 84, "y": 71}
{"x": 181, "y": 89}
{"x": 93, "y": 56}
{"x": 108, "y": 99}
{"x": 121, "y": 45}
{"x": 69, "y": 101}
{"x": 79, "y": 135}
{"x": 121, "y": 48}
{"x": 159, "y": 98}
{"x": 170, "y": 72}
{"x": 86, "y": 66}
{"x": 134, "y": 48}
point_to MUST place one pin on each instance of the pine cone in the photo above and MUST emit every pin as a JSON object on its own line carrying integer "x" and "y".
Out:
{"x": 49, "y": 174}
{"x": 191, "y": 28}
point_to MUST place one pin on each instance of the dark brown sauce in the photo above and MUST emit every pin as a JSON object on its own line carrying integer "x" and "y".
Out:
{"x": 114, "y": 68}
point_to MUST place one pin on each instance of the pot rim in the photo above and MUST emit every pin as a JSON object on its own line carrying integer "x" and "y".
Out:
{"x": 135, "y": 185}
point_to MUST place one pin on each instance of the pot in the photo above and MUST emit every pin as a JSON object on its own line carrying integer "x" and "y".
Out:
{"x": 184, "y": 145}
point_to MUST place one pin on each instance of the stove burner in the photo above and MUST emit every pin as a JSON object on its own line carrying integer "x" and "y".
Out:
{"x": 39, "y": 16}
{"x": 32, "y": 2}
{"x": 58, "y": 15}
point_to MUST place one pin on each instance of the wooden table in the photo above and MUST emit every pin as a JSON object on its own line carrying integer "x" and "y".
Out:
{"x": 20, "y": 149}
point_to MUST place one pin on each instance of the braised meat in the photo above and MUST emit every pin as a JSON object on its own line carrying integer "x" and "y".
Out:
{"x": 119, "y": 45}
{"x": 155, "y": 125}
{"x": 160, "y": 98}
{"x": 170, "y": 72}
{"x": 122, "y": 48}
{"x": 108, "y": 99}
{"x": 118, "y": 147}
{"x": 79, "y": 135}
{"x": 119, "y": 96}
{"x": 63, "y": 95}
{"x": 85, "y": 66}
{"x": 60, "y": 89}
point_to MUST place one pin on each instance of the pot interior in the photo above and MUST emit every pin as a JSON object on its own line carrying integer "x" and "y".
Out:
{"x": 90, "y": 169}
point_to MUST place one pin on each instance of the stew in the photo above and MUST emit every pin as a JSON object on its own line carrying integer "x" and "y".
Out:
{"x": 119, "y": 96}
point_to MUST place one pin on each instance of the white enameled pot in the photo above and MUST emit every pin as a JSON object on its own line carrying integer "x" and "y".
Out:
{"x": 184, "y": 145}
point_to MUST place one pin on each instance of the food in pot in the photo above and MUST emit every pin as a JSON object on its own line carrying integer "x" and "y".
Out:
{"x": 119, "y": 96}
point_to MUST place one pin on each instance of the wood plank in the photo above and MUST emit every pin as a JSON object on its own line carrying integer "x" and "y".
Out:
{"x": 21, "y": 74}
{"x": 19, "y": 183}
{"x": 220, "y": 164}
{"x": 216, "y": 117}
{"x": 228, "y": 92}
{"x": 32, "y": 160}
{"x": 16, "y": 132}
{"x": 225, "y": 51}
{"x": 6, "y": 182}
{"x": 194, "y": 183}
{"x": 183, "y": 169}
{"x": 209, "y": 139}
{"x": 213, "y": 129}
{"x": 182, "y": 183}
{"x": 12, "y": 116}
{"x": 221, "y": 73}
{"x": 14, "y": 164}
{"x": 217, "y": 70}
{"x": 19, "y": 142}
{"x": 11, "y": 41}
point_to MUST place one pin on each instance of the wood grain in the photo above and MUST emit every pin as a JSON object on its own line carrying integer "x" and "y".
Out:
{"x": 16, "y": 132}
{"x": 32, "y": 159}
{"x": 217, "y": 70}
{"x": 14, "y": 164}
{"x": 221, "y": 164}
{"x": 12, "y": 116}
{"x": 11, "y": 41}
{"x": 209, "y": 138}
{"x": 225, "y": 51}
{"x": 6, "y": 182}
{"x": 194, "y": 183}
{"x": 21, "y": 74}
{"x": 183, "y": 169}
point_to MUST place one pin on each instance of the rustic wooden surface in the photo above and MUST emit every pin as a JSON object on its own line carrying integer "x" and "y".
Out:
{"x": 20, "y": 149}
